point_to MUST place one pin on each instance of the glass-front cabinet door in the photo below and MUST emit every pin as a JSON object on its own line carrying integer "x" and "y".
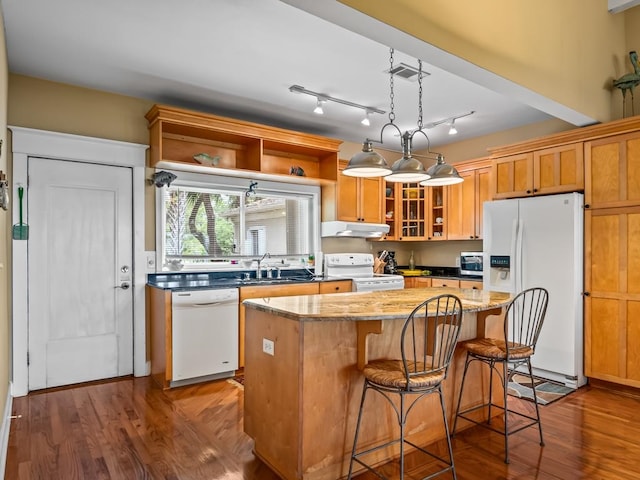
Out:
{"x": 413, "y": 221}
{"x": 437, "y": 215}
{"x": 391, "y": 210}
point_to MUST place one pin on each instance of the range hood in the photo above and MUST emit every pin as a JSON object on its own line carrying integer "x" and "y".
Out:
{"x": 354, "y": 229}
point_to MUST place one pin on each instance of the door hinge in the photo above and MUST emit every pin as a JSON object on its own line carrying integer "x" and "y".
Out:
{"x": 28, "y": 362}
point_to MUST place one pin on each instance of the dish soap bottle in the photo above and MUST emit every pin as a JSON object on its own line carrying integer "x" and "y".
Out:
{"x": 412, "y": 263}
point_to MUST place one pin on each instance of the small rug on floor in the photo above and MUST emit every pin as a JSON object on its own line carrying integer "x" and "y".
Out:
{"x": 238, "y": 381}
{"x": 546, "y": 390}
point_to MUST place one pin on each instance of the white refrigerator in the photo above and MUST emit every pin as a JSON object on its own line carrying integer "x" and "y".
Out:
{"x": 538, "y": 242}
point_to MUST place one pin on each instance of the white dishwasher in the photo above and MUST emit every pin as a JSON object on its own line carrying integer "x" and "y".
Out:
{"x": 204, "y": 335}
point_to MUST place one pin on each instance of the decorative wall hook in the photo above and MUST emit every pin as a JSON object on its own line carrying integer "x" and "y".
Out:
{"x": 162, "y": 178}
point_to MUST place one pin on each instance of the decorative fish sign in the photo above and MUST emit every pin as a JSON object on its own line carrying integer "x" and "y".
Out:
{"x": 206, "y": 159}
{"x": 162, "y": 178}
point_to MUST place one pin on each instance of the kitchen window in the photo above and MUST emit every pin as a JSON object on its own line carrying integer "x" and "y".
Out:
{"x": 210, "y": 222}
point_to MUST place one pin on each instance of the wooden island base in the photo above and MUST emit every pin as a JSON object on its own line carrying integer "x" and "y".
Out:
{"x": 301, "y": 403}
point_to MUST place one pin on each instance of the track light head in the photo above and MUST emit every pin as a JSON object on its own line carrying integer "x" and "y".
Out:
{"x": 366, "y": 121}
{"x": 319, "y": 110}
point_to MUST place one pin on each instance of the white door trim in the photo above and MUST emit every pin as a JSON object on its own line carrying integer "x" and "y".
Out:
{"x": 30, "y": 142}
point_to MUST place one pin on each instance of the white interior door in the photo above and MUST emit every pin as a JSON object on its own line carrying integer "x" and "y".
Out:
{"x": 79, "y": 258}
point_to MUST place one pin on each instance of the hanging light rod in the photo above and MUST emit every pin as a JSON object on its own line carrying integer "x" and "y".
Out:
{"x": 323, "y": 97}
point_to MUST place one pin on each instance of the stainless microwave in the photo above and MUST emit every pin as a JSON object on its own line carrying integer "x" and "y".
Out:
{"x": 471, "y": 263}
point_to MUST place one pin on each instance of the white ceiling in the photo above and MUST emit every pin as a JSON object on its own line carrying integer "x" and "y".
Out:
{"x": 238, "y": 58}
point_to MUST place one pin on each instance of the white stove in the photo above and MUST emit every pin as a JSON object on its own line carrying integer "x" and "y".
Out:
{"x": 359, "y": 268}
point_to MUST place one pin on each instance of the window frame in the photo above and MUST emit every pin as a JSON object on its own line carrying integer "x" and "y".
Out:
{"x": 235, "y": 184}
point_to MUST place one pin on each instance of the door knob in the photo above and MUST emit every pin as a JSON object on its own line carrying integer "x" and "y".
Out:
{"x": 123, "y": 286}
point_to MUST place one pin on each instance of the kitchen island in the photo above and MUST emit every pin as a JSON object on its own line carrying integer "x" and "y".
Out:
{"x": 303, "y": 378}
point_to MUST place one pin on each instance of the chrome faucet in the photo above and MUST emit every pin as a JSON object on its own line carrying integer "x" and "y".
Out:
{"x": 259, "y": 270}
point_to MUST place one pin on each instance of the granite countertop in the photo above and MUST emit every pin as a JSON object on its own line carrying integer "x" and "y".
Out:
{"x": 378, "y": 305}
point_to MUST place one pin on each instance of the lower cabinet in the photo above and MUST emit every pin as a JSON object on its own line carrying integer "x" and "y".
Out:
{"x": 338, "y": 286}
{"x": 445, "y": 282}
{"x": 475, "y": 284}
{"x": 417, "y": 282}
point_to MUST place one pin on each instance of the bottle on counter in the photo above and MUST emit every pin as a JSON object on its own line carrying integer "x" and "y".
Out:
{"x": 412, "y": 262}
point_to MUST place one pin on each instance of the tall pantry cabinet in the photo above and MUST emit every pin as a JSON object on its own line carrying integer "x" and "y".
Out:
{"x": 612, "y": 259}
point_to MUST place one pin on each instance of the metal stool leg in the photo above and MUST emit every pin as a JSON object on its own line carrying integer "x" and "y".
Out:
{"x": 357, "y": 432}
{"x": 505, "y": 387}
{"x": 464, "y": 376}
{"x": 446, "y": 432}
{"x": 535, "y": 401}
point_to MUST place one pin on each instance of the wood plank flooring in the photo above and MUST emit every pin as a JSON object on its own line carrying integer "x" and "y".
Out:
{"x": 130, "y": 429}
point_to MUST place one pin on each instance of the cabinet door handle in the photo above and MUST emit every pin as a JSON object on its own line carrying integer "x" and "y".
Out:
{"x": 528, "y": 192}
{"x": 587, "y": 294}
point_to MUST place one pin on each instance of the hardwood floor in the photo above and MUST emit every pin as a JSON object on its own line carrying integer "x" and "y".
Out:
{"x": 130, "y": 429}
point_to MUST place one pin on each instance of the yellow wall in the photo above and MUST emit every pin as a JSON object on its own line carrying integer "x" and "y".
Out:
{"x": 568, "y": 51}
{"x": 5, "y": 227}
{"x": 58, "y": 107}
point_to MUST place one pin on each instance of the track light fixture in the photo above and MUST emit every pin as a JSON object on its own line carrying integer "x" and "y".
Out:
{"x": 365, "y": 121}
{"x": 322, "y": 99}
{"x": 452, "y": 127}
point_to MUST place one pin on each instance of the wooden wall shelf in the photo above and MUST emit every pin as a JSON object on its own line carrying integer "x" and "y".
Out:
{"x": 176, "y": 135}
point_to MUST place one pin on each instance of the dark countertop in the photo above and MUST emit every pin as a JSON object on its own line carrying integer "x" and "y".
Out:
{"x": 231, "y": 279}
{"x": 442, "y": 272}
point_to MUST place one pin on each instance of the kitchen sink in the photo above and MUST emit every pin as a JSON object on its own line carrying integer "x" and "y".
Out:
{"x": 271, "y": 281}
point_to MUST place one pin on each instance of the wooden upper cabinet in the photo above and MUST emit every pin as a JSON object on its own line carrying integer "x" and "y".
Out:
{"x": 513, "y": 176}
{"x": 465, "y": 200}
{"x": 557, "y": 169}
{"x": 612, "y": 171}
{"x": 359, "y": 199}
{"x": 176, "y": 135}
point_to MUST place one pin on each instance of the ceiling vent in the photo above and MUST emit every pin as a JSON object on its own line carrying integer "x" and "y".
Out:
{"x": 407, "y": 72}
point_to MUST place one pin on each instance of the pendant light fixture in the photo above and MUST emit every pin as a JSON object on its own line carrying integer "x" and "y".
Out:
{"x": 407, "y": 169}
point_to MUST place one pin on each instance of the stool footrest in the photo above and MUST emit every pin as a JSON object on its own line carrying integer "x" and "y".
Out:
{"x": 487, "y": 423}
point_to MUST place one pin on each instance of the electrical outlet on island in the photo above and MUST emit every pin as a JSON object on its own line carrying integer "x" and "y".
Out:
{"x": 268, "y": 346}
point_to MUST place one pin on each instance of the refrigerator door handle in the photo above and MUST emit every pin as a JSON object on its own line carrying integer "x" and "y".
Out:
{"x": 515, "y": 228}
{"x": 519, "y": 260}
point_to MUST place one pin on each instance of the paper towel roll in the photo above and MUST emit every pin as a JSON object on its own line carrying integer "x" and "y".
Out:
{"x": 319, "y": 261}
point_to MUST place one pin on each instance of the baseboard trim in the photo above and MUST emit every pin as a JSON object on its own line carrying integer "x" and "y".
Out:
{"x": 5, "y": 428}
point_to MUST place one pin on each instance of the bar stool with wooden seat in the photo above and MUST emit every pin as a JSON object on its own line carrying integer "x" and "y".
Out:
{"x": 523, "y": 320}
{"x": 427, "y": 342}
